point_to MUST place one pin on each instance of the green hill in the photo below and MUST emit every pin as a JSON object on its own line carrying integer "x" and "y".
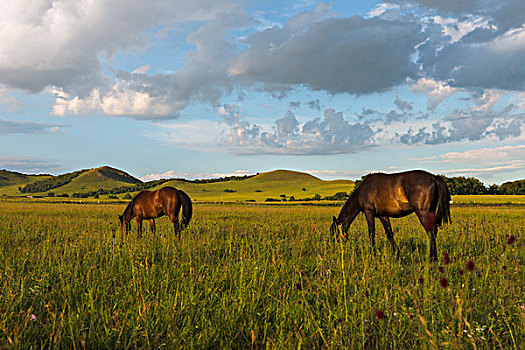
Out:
{"x": 12, "y": 183}
{"x": 94, "y": 179}
{"x": 276, "y": 185}
{"x": 285, "y": 175}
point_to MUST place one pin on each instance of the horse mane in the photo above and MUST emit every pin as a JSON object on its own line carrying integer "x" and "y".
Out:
{"x": 128, "y": 212}
{"x": 351, "y": 198}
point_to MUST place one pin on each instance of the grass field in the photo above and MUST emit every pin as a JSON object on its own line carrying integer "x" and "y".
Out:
{"x": 257, "y": 276}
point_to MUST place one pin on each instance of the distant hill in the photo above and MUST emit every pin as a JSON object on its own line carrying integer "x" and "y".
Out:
{"x": 10, "y": 181}
{"x": 8, "y": 178}
{"x": 277, "y": 185}
{"x": 285, "y": 175}
{"x": 100, "y": 178}
{"x": 79, "y": 181}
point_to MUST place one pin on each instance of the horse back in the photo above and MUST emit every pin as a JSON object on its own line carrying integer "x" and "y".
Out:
{"x": 152, "y": 204}
{"x": 396, "y": 195}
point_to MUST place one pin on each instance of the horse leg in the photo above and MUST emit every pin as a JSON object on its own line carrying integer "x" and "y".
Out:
{"x": 371, "y": 227}
{"x": 389, "y": 233}
{"x": 139, "y": 226}
{"x": 428, "y": 220}
{"x": 152, "y": 226}
{"x": 175, "y": 221}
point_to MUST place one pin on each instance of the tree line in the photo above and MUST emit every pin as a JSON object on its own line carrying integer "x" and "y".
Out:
{"x": 471, "y": 185}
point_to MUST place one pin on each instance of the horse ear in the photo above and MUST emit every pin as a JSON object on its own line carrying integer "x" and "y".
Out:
{"x": 335, "y": 220}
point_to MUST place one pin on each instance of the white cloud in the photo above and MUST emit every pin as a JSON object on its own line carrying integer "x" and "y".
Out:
{"x": 487, "y": 100}
{"x": 64, "y": 42}
{"x": 381, "y": 8}
{"x": 457, "y": 29}
{"x": 121, "y": 100}
{"x": 484, "y": 162}
{"x": 28, "y": 127}
{"x": 436, "y": 91}
{"x": 497, "y": 154}
{"x": 329, "y": 135}
{"x": 489, "y": 171}
{"x": 29, "y": 165}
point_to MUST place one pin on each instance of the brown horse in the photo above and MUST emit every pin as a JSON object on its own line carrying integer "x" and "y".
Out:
{"x": 397, "y": 195}
{"x": 148, "y": 205}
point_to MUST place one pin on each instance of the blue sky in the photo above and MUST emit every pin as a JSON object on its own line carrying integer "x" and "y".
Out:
{"x": 210, "y": 88}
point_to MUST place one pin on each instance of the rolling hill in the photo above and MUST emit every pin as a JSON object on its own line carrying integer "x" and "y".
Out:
{"x": 100, "y": 178}
{"x": 75, "y": 182}
{"x": 276, "y": 185}
{"x": 10, "y": 181}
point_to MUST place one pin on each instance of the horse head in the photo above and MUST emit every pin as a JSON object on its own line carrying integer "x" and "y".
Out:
{"x": 336, "y": 229}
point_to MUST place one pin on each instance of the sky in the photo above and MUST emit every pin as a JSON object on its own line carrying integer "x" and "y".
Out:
{"x": 209, "y": 88}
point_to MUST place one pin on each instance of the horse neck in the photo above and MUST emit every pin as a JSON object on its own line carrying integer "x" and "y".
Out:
{"x": 349, "y": 211}
{"x": 128, "y": 212}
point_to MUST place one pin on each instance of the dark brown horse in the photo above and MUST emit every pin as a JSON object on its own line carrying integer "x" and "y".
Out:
{"x": 148, "y": 205}
{"x": 385, "y": 196}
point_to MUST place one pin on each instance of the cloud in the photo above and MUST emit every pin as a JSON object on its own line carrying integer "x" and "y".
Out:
{"x": 497, "y": 154}
{"x": 403, "y": 105}
{"x": 494, "y": 64}
{"x": 29, "y": 165}
{"x": 329, "y": 135}
{"x": 440, "y": 48}
{"x": 467, "y": 125}
{"x": 294, "y": 104}
{"x": 26, "y": 127}
{"x": 65, "y": 42}
{"x": 484, "y": 162}
{"x": 338, "y": 55}
{"x": 162, "y": 96}
{"x": 436, "y": 91}
{"x": 120, "y": 100}
{"x": 314, "y": 104}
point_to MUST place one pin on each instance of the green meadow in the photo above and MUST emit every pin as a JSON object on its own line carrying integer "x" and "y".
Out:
{"x": 251, "y": 276}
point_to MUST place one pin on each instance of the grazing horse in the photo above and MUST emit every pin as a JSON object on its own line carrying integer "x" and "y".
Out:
{"x": 148, "y": 205}
{"x": 397, "y": 195}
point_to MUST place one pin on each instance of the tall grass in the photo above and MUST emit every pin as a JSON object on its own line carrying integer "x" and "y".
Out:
{"x": 257, "y": 277}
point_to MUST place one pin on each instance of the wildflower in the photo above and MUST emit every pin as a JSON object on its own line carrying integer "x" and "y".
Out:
{"x": 470, "y": 265}
{"x": 446, "y": 258}
{"x": 443, "y": 281}
{"x": 511, "y": 239}
{"x": 380, "y": 314}
{"x": 441, "y": 269}
{"x": 33, "y": 318}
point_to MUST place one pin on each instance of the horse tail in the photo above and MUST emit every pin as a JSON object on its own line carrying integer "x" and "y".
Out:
{"x": 187, "y": 208}
{"x": 443, "y": 201}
